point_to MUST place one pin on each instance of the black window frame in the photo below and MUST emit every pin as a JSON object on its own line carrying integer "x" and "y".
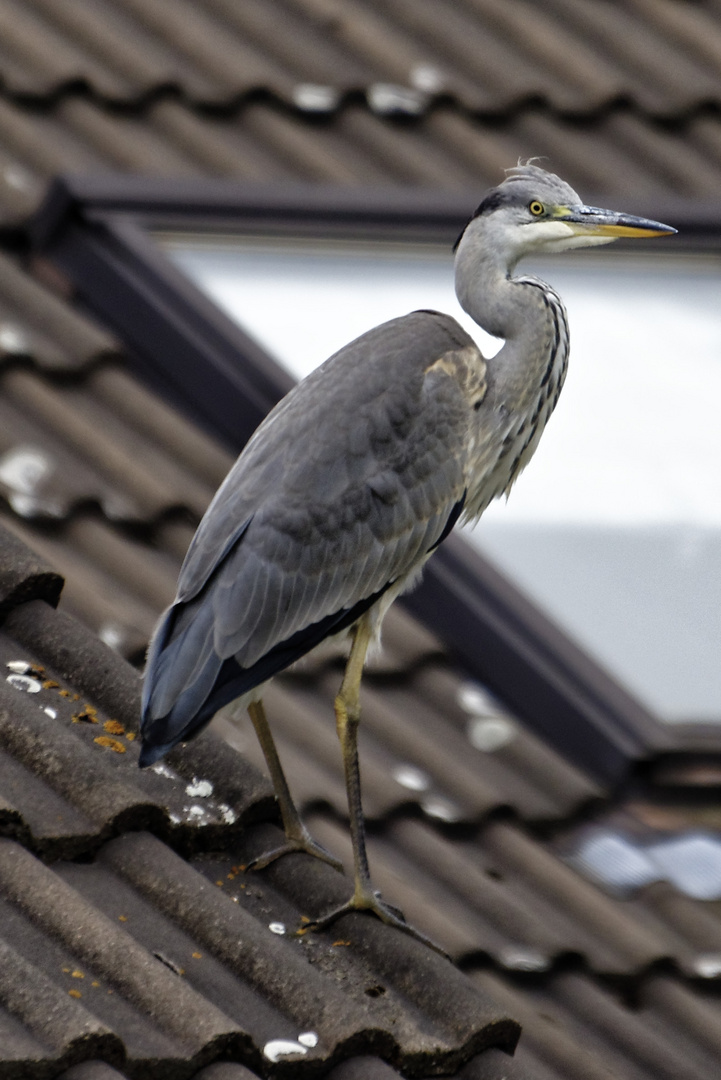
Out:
{"x": 97, "y": 232}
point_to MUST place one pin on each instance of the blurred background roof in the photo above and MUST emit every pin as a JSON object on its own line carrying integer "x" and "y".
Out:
{"x": 619, "y": 98}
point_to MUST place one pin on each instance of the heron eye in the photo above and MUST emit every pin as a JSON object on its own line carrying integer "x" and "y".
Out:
{"x": 536, "y": 208}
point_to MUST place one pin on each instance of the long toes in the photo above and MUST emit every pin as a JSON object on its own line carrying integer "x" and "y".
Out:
{"x": 320, "y": 853}
{"x": 387, "y": 913}
{"x": 389, "y": 909}
{"x": 261, "y": 861}
{"x": 305, "y": 844}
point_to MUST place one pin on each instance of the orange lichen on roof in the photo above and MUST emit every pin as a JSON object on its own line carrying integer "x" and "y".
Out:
{"x": 111, "y": 744}
{"x": 75, "y": 993}
{"x": 87, "y": 715}
{"x": 113, "y": 727}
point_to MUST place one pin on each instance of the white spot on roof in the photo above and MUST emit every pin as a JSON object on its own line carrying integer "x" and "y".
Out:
{"x": 436, "y": 806}
{"x": 408, "y": 776}
{"x": 523, "y": 959}
{"x": 490, "y": 733}
{"x": 473, "y": 699}
{"x": 388, "y": 98}
{"x": 280, "y": 1048}
{"x": 20, "y": 667}
{"x": 708, "y": 965}
{"x": 308, "y": 1038}
{"x": 199, "y": 789}
{"x": 25, "y": 683}
{"x": 427, "y": 77}
{"x": 161, "y": 769}
{"x": 112, "y": 634}
{"x": 228, "y": 815}
{"x": 13, "y": 339}
{"x": 28, "y": 506}
{"x": 314, "y": 97}
{"x": 276, "y": 927}
{"x": 197, "y": 815}
{"x": 24, "y": 468}
{"x": 52, "y": 713}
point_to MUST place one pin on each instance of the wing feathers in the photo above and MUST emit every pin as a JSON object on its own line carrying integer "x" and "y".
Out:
{"x": 344, "y": 489}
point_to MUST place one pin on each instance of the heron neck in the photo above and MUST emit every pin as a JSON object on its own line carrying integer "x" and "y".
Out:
{"x": 486, "y": 289}
{"x": 526, "y": 313}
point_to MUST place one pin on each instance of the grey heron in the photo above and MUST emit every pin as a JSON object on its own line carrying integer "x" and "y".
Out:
{"x": 356, "y": 476}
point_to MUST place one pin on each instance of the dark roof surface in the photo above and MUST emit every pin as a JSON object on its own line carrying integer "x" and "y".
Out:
{"x": 132, "y": 944}
{"x": 621, "y": 98}
{"x": 129, "y": 930}
{"x": 131, "y": 934}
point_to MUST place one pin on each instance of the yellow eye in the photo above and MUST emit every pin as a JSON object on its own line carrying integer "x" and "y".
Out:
{"x": 536, "y": 208}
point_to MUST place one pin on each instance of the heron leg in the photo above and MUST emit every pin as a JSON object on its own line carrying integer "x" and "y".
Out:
{"x": 347, "y": 713}
{"x": 297, "y": 837}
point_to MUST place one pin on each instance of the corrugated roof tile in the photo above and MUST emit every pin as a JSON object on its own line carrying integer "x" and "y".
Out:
{"x": 88, "y": 760}
{"x": 307, "y": 50}
{"x": 578, "y": 1029}
{"x": 132, "y": 475}
{"x": 67, "y": 339}
{"x": 223, "y": 59}
{"x": 508, "y": 896}
{"x": 40, "y": 61}
{"x": 140, "y": 63}
{"x": 121, "y": 618}
{"x": 141, "y": 945}
{"x": 491, "y": 57}
{"x": 94, "y": 1070}
{"x": 25, "y": 577}
{"x": 125, "y": 143}
{"x": 42, "y": 1024}
{"x": 650, "y": 70}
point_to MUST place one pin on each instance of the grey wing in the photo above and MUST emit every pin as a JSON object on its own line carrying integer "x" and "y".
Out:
{"x": 344, "y": 489}
{"x": 374, "y": 470}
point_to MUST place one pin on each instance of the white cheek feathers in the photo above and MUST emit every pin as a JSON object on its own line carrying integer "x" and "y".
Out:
{"x": 555, "y": 236}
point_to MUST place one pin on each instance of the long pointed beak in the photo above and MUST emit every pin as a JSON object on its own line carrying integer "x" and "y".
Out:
{"x": 592, "y": 221}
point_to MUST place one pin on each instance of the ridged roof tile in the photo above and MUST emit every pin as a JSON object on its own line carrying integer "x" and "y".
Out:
{"x": 356, "y": 92}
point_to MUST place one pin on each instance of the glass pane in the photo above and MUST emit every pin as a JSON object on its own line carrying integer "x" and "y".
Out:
{"x": 616, "y": 525}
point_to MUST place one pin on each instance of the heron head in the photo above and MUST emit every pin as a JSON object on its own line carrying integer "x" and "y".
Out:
{"x": 535, "y": 212}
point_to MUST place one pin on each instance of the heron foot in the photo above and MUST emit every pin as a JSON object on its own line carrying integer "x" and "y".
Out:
{"x": 301, "y": 842}
{"x": 370, "y": 900}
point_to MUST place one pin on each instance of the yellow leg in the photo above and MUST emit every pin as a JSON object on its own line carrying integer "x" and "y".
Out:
{"x": 297, "y": 837}
{"x": 347, "y": 715}
{"x": 347, "y": 719}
